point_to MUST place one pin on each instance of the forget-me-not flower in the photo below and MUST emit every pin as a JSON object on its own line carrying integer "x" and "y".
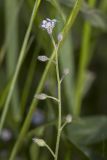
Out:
{"x": 48, "y": 25}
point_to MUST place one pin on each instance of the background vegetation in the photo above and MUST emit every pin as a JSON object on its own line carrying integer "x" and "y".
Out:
{"x": 84, "y": 90}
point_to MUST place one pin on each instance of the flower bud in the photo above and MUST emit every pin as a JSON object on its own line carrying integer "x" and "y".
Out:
{"x": 43, "y": 58}
{"x": 68, "y": 118}
{"x": 39, "y": 142}
{"x": 41, "y": 96}
{"x": 66, "y": 71}
{"x": 60, "y": 37}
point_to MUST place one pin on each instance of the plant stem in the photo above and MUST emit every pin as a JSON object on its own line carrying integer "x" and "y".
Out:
{"x": 59, "y": 98}
{"x": 62, "y": 127}
{"x": 50, "y": 150}
{"x": 68, "y": 25}
{"x": 59, "y": 122}
{"x": 56, "y": 99}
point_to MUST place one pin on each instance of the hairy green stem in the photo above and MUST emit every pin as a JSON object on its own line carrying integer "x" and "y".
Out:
{"x": 59, "y": 98}
{"x": 83, "y": 63}
{"x": 34, "y": 103}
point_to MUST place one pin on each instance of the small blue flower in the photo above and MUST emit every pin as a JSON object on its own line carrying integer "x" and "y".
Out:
{"x": 48, "y": 25}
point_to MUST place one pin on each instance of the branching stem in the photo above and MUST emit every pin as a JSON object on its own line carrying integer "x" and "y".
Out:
{"x": 59, "y": 98}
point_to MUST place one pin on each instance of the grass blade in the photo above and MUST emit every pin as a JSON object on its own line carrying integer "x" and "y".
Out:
{"x": 67, "y": 61}
{"x": 11, "y": 19}
{"x": 20, "y": 61}
{"x": 27, "y": 85}
{"x": 84, "y": 60}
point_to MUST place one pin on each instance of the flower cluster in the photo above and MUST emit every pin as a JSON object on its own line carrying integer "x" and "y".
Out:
{"x": 48, "y": 25}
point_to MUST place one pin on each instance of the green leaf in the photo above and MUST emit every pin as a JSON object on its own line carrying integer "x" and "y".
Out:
{"x": 90, "y": 130}
{"x": 94, "y": 16}
{"x": 79, "y": 150}
{"x": 84, "y": 132}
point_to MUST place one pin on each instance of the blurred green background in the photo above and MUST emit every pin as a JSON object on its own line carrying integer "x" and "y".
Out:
{"x": 84, "y": 90}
